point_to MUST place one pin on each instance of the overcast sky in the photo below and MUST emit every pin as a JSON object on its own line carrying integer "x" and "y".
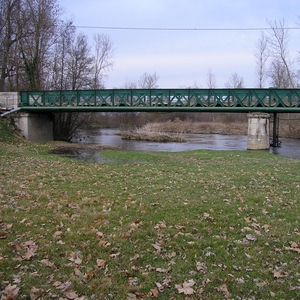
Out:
{"x": 183, "y": 58}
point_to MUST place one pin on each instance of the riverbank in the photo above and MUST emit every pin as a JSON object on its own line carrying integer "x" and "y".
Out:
{"x": 197, "y": 224}
{"x": 150, "y": 131}
{"x": 187, "y": 126}
{"x": 147, "y": 134}
{"x": 174, "y": 131}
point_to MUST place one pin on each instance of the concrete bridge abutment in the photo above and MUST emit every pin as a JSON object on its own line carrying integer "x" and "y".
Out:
{"x": 35, "y": 127}
{"x": 258, "y": 131}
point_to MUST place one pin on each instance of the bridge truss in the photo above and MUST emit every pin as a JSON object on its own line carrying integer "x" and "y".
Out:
{"x": 186, "y": 100}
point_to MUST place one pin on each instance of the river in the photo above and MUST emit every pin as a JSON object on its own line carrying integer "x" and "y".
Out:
{"x": 106, "y": 137}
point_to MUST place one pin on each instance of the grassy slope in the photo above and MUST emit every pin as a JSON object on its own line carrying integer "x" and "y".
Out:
{"x": 199, "y": 224}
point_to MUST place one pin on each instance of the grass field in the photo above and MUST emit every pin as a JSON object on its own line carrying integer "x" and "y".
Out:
{"x": 189, "y": 225}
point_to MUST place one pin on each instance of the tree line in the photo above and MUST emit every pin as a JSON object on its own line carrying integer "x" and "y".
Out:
{"x": 40, "y": 51}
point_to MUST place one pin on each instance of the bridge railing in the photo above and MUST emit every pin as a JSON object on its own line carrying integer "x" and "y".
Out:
{"x": 159, "y": 99}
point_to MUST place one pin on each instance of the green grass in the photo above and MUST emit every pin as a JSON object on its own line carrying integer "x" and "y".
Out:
{"x": 228, "y": 220}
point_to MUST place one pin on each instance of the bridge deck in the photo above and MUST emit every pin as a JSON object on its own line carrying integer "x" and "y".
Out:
{"x": 227, "y": 100}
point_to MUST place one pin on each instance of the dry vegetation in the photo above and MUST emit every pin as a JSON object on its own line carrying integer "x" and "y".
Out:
{"x": 187, "y": 126}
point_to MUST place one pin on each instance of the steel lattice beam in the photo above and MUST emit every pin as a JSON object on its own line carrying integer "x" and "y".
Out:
{"x": 185, "y": 100}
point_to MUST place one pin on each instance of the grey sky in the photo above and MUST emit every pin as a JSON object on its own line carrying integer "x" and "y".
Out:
{"x": 182, "y": 58}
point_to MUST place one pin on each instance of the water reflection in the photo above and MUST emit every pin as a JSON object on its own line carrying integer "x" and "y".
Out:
{"x": 106, "y": 137}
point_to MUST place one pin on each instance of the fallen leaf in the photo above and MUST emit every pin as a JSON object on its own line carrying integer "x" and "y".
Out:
{"x": 293, "y": 245}
{"x": 126, "y": 235}
{"x": 160, "y": 287}
{"x": 10, "y": 292}
{"x": 114, "y": 255}
{"x": 36, "y": 293}
{"x": 71, "y": 295}
{"x": 277, "y": 274}
{"x": 157, "y": 248}
{"x": 201, "y": 267}
{"x": 251, "y": 237}
{"x": 131, "y": 296}
{"x": 186, "y": 287}
{"x": 76, "y": 257}
{"x": 100, "y": 264}
{"x": 47, "y": 263}
{"x": 30, "y": 247}
{"x": 247, "y": 219}
{"x": 160, "y": 270}
{"x": 3, "y": 235}
{"x": 77, "y": 272}
{"x": 223, "y": 289}
{"x": 57, "y": 234}
{"x": 153, "y": 293}
{"x": 133, "y": 281}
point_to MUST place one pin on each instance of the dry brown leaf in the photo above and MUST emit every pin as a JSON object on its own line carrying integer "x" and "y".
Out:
{"x": 186, "y": 287}
{"x": 100, "y": 264}
{"x": 292, "y": 249}
{"x": 153, "y": 293}
{"x": 247, "y": 219}
{"x": 223, "y": 289}
{"x": 77, "y": 272}
{"x": 251, "y": 237}
{"x": 133, "y": 281}
{"x": 30, "y": 247}
{"x": 103, "y": 243}
{"x": 47, "y": 263}
{"x": 36, "y": 293}
{"x": 157, "y": 247}
{"x": 131, "y": 296}
{"x": 71, "y": 295}
{"x": 3, "y": 235}
{"x": 160, "y": 270}
{"x": 126, "y": 235}
{"x": 114, "y": 255}
{"x": 293, "y": 245}
{"x": 160, "y": 287}
{"x": 277, "y": 274}
{"x": 76, "y": 257}
{"x": 10, "y": 292}
{"x": 57, "y": 234}
{"x": 201, "y": 267}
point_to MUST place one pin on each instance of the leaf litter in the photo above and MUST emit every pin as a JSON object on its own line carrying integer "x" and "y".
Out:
{"x": 203, "y": 233}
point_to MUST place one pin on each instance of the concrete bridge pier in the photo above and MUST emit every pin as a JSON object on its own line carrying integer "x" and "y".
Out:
{"x": 35, "y": 127}
{"x": 258, "y": 131}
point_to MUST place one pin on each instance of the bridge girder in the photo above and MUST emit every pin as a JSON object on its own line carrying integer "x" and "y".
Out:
{"x": 163, "y": 100}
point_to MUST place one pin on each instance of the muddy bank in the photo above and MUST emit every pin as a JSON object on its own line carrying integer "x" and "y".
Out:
{"x": 60, "y": 147}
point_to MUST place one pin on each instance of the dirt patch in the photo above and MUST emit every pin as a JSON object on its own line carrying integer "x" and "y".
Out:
{"x": 59, "y": 147}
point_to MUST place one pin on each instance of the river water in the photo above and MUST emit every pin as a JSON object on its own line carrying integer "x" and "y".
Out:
{"x": 106, "y": 137}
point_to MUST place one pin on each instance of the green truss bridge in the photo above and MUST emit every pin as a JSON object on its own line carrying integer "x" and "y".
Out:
{"x": 270, "y": 100}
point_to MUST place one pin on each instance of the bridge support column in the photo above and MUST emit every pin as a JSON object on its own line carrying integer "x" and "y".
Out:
{"x": 35, "y": 127}
{"x": 258, "y": 131}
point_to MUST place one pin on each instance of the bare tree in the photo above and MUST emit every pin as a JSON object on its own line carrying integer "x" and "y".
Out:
{"x": 262, "y": 55}
{"x": 235, "y": 81}
{"x": 279, "y": 39}
{"x": 57, "y": 69}
{"x": 9, "y": 36}
{"x": 40, "y": 19}
{"x": 102, "y": 60}
{"x": 148, "y": 81}
{"x": 211, "y": 80}
{"x": 80, "y": 64}
{"x": 278, "y": 74}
